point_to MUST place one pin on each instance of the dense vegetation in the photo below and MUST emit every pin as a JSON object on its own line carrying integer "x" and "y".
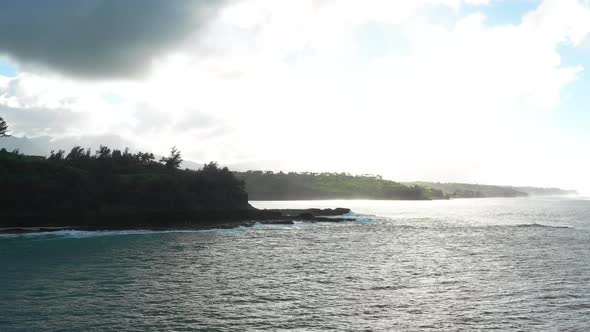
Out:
{"x": 465, "y": 190}
{"x": 82, "y": 187}
{"x": 533, "y": 191}
{"x": 309, "y": 186}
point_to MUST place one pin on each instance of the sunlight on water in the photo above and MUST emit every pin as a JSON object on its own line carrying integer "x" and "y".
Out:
{"x": 507, "y": 264}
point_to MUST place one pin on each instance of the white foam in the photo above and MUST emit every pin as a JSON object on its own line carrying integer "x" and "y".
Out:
{"x": 87, "y": 234}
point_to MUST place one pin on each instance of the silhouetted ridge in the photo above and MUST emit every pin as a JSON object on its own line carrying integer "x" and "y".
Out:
{"x": 311, "y": 186}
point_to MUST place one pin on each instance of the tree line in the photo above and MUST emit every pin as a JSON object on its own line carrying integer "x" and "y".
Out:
{"x": 268, "y": 185}
{"x": 83, "y": 186}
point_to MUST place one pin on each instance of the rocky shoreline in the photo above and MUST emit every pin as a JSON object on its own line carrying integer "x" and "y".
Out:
{"x": 208, "y": 220}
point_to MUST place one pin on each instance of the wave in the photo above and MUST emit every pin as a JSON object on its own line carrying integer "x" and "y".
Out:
{"x": 87, "y": 234}
{"x": 359, "y": 219}
{"x": 363, "y": 218}
{"x": 533, "y": 225}
{"x": 353, "y": 214}
{"x": 412, "y": 226}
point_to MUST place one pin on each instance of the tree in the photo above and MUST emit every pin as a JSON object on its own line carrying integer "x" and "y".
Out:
{"x": 103, "y": 152}
{"x": 174, "y": 160}
{"x": 144, "y": 158}
{"x": 3, "y": 128}
{"x": 57, "y": 156}
{"x": 77, "y": 153}
{"x": 210, "y": 167}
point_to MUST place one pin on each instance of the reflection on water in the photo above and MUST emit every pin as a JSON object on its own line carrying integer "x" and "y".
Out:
{"x": 461, "y": 264}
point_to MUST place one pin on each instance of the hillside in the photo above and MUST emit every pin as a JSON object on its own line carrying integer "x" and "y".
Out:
{"x": 466, "y": 190}
{"x": 313, "y": 186}
{"x": 533, "y": 191}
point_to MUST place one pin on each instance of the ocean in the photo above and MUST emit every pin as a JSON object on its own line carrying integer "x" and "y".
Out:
{"x": 465, "y": 264}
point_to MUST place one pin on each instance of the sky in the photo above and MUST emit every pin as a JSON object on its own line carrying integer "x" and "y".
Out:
{"x": 478, "y": 91}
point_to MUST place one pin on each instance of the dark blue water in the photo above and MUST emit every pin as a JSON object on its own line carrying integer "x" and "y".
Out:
{"x": 504, "y": 264}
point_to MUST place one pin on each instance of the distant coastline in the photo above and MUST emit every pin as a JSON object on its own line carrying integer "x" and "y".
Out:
{"x": 468, "y": 190}
{"x": 280, "y": 186}
{"x": 114, "y": 189}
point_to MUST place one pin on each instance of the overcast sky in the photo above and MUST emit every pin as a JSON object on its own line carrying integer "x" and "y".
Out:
{"x": 439, "y": 90}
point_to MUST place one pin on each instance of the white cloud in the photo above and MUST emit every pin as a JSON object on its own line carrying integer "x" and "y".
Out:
{"x": 293, "y": 85}
{"x": 560, "y": 21}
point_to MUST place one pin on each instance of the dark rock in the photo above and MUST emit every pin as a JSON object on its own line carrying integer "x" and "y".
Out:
{"x": 277, "y": 222}
{"x": 341, "y": 211}
{"x": 313, "y": 212}
{"x": 329, "y": 212}
{"x": 324, "y": 219}
{"x": 166, "y": 220}
{"x": 306, "y": 216}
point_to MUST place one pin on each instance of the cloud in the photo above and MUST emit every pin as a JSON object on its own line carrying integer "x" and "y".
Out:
{"x": 292, "y": 85}
{"x": 43, "y": 145}
{"x": 150, "y": 119}
{"x": 195, "y": 119}
{"x": 98, "y": 38}
{"x": 40, "y": 122}
{"x": 35, "y": 106}
{"x": 461, "y": 102}
{"x": 566, "y": 21}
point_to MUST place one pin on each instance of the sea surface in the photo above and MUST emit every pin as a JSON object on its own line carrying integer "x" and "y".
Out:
{"x": 466, "y": 264}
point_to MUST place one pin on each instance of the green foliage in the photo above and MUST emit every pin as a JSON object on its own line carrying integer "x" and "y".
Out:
{"x": 466, "y": 190}
{"x": 174, "y": 160}
{"x": 301, "y": 186}
{"x": 3, "y": 128}
{"x": 110, "y": 183}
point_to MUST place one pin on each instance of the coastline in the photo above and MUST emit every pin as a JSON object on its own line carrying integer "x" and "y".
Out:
{"x": 178, "y": 221}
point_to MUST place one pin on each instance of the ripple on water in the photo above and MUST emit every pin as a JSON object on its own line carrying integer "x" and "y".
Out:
{"x": 460, "y": 273}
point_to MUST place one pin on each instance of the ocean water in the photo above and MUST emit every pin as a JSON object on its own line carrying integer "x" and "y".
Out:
{"x": 469, "y": 264}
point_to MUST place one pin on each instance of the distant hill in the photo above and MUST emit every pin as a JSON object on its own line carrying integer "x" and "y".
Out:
{"x": 268, "y": 185}
{"x": 467, "y": 190}
{"x": 546, "y": 191}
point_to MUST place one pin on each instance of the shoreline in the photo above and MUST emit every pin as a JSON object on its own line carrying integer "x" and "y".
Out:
{"x": 223, "y": 220}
